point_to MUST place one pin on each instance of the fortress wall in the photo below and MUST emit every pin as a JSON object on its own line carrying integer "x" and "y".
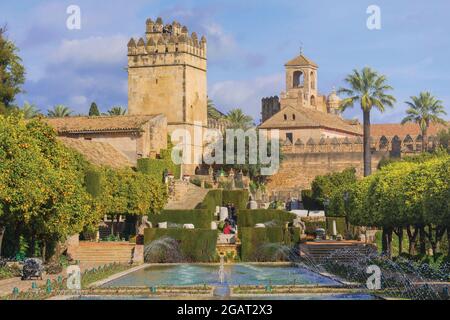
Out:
{"x": 298, "y": 170}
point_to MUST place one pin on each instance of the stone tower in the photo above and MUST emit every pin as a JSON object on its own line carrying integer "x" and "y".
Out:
{"x": 167, "y": 74}
{"x": 301, "y": 85}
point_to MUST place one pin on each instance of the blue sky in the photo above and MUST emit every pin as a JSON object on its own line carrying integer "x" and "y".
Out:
{"x": 248, "y": 41}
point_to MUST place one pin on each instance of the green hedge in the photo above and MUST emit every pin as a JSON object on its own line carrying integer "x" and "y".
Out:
{"x": 94, "y": 182}
{"x": 201, "y": 219}
{"x": 212, "y": 200}
{"x": 341, "y": 226}
{"x": 310, "y": 226}
{"x": 156, "y": 167}
{"x": 220, "y": 198}
{"x": 249, "y": 218}
{"x": 238, "y": 197}
{"x": 263, "y": 244}
{"x": 198, "y": 245}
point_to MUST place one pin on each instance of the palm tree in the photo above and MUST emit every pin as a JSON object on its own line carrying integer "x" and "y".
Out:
{"x": 213, "y": 113}
{"x": 59, "y": 111}
{"x": 117, "y": 111}
{"x": 424, "y": 110}
{"x": 369, "y": 88}
{"x": 30, "y": 110}
{"x": 239, "y": 120}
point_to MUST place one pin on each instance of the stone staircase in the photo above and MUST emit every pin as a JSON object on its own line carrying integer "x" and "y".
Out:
{"x": 185, "y": 196}
{"x": 345, "y": 251}
{"x": 104, "y": 252}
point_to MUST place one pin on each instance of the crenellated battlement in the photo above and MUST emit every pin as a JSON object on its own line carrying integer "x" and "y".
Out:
{"x": 324, "y": 145}
{"x": 270, "y": 106}
{"x": 167, "y": 44}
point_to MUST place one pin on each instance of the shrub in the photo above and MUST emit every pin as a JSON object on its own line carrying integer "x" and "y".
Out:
{"x": 312, "y": 226}
{"x": 94, "y": 182}
{"x": 156, "y": 167}
{"x": 196, "y": 182}
{"x": 197, "y": 245}
{"x": 249, "y": 218}
{"x": 201, "y": 219}
{"x": 267, "y": 244}
{"x": 238, "y": 197}
{"x": 211, "y": 201}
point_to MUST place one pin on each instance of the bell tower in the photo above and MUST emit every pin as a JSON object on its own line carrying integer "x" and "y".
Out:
{"x": 301, "y": 83}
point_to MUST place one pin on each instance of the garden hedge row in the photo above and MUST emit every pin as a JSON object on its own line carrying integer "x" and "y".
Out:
{"x": 266, "y": 244}
{"x": 312, "y": 226}
{"x": 211, "y": 201}
{"x": 201, "y": 219}
{"x": 220, "y": 198}
{"x": 249, "y": 218}
{"x": 198, "y": 245}
{"x": 238, "y": 197}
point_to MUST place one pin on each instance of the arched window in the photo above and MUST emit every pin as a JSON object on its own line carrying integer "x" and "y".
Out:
{"x": 384, "y": 143}
{"x": 313, "y": 101}
{"x": 293, "y": 117}
{"x": 285, "y": 117}
{"x": 299, "y": 79}
{"x": 313, "y": 80}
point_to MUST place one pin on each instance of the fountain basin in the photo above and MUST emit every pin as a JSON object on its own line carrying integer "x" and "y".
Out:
{"x": 235, "y": 275}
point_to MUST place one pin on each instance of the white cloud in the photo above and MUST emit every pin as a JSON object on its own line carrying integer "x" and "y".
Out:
{"x": 92, "y": 50}
{"x": 246, "y": 94}
{"x": 220, "y": 43}
{"x": 78, "y": 101}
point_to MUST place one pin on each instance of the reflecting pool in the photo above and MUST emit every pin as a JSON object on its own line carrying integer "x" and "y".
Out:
{"x": 236, "y": 274}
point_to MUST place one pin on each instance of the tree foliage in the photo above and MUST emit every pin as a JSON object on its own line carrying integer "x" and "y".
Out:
{"x": 12, "y": 72}
{"x": 41, "y": 182}
{"x": 213, "y": 112}
{"x": 59, "y": 111}
{"x": 369, "y": 89}
{"x": 405, "y": 194}
{"x": 117, "y": 111}
{"x": 424, "y": 110}
{"x": 93, "y": 110}
{"x": 239, "y": 120}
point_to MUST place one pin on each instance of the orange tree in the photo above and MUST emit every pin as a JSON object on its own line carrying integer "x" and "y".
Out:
{"x": 42, "y": 193}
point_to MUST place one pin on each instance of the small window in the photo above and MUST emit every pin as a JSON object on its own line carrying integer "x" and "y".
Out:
{"x": 293, "y": 117}
{"x": 290, "y": 137}
{"x": 156, "y": 81}
{"x": 285, "y": 117}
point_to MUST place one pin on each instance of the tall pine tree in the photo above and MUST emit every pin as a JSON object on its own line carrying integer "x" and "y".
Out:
{"x": 12, "y": 73}
{"x": 93, "y": 110}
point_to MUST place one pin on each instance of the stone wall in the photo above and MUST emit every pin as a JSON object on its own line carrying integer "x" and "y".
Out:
{"x": 298, "y": 170}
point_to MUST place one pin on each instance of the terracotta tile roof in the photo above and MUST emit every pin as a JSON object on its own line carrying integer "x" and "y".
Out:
{"x": 99, "y": 124}
{"x": 395, "y": 129}
{"x": 98, "y": 153}
{"x": 301, "y": 60}
{"x": 309, "y": 118}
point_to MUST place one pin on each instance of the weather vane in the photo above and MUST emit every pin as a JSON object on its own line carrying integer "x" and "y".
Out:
{"x": 301, "y": 48}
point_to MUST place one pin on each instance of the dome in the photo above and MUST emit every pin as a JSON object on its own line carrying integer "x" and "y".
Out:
{"x": 333, "y": 97}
